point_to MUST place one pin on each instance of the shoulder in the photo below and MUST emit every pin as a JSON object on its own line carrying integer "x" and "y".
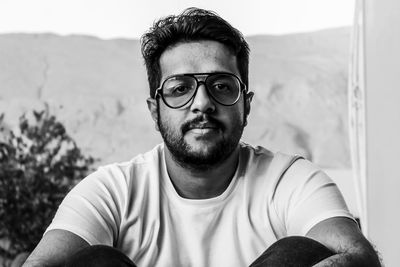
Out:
{"x": 123, "y": 176}
{"x": 293, "y": 176}
{"x": 260, "y": 161}
{"x": 302, "y": 172}
{"x": 94, "y": 209}
{"x": 280, "y": 173}
{"x": 142, "y": 163}
{"x": 145, "y": 160}
{"x": 255, "y": 151}
{"x": 256, "y": 154}
{"x": 254, "y": 158}
{"x": 303, "y": 195}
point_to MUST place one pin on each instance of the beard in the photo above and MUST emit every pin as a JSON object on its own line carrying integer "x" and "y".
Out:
{"x": 186, "y": 156}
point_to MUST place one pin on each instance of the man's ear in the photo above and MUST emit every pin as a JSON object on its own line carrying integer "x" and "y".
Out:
{"x": 152, "y": 106}
{"x": 247, "y": 105}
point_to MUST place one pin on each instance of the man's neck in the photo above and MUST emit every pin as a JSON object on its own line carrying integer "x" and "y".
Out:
{"x": 201, "y": 184}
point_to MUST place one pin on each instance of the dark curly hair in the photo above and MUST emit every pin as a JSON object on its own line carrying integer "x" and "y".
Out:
{"x": 193, "y": 24}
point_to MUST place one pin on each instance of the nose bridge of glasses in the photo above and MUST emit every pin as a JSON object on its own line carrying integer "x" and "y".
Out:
{"x": 203, "y": 81}
{"x": 202, "y": 96}
{"x": 199, "y": 80}
{"x": 203, "y": 76}
{"x": 204, "y": 92}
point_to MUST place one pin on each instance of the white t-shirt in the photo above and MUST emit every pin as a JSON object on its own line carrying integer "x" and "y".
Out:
{"x": 134, "y": 206}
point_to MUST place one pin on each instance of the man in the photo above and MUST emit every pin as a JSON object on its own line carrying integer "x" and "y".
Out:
{"x": 203, "y": 198}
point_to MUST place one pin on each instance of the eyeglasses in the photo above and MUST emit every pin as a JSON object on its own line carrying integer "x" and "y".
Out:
{"x": 178, "y": 90}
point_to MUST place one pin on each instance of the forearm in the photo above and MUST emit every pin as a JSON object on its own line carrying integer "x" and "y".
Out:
{"x": 37, "y": 263}
{"x": 55, "y": 248}
{"x": 35, "y": 260}
{"x": 350, "y": 259}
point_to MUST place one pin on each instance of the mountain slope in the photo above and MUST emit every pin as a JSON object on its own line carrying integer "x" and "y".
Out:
{"x": 98, "y": 89}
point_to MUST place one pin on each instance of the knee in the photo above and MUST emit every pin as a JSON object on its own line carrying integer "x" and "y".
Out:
{"x": 293, "y": 251}
{"x": 298, "y": 244}
{"x": 101, "y": 256}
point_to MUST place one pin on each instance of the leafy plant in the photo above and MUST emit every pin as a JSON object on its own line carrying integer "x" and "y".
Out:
{"x": 38, "y": 166}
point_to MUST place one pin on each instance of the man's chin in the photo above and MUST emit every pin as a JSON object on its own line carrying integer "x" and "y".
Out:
{"x": 203, "y": 153}
{"x": 202, "y": 144}
{"x": 200, "y": 159}
{"x": 200, "y": 149}
{"x": 200, "y": 154}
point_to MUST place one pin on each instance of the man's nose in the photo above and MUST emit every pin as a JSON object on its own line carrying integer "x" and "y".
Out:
{"x": 202, "y": 101}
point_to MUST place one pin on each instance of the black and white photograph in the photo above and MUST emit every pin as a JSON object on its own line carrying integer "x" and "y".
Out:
{"x": 199, "y": 133}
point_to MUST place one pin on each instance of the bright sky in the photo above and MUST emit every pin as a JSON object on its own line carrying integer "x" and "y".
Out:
{"x": 131, "y": 18}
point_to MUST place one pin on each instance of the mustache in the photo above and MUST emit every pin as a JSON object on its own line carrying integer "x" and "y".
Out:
{"x": 201, "y": 122}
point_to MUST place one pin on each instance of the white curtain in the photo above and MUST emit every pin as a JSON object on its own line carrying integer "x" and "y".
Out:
{"x": 356, "y": 94}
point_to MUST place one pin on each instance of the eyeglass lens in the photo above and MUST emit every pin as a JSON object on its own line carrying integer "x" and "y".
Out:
{"x": 178, "y": 90}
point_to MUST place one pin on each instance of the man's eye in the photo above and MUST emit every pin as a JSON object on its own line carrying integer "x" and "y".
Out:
{"x": 180, "y": 90}
{"x": 222, "y": 88}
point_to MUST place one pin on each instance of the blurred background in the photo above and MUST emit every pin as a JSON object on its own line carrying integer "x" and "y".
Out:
{"x": 83, "y": 59}
{"x": 80, "y": 61}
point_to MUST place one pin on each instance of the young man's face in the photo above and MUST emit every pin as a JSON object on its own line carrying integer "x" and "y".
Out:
{"x": 203, "y": 132}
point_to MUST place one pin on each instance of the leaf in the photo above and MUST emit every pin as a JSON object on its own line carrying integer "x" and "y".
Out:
{"x": 38, "y": 167}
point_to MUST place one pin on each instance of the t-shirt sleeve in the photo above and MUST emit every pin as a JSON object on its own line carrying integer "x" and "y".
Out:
{"x": 93, "y": 208}
{"x": 305, "y": 196}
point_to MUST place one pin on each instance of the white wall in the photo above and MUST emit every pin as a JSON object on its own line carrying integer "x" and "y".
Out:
{"x": 382, "y": 63}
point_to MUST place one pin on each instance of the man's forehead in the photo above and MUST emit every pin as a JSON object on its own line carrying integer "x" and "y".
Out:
{"x": 197, "y": 57}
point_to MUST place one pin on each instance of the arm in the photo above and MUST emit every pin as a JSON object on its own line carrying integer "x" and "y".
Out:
{"x": 89, "y": 214}
{"x": 343, "y": 237}
{"x": 55, "y": 248}
{"x": 309, "y": 203}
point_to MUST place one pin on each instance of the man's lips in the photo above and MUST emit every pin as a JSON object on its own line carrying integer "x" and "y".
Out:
{"x": 200, "y": 125}
{"x": 203, "y": 129}
{"x": 203, "y": 126}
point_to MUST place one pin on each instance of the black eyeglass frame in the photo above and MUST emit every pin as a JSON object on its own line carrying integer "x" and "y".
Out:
{"x": 159, "y": 91}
